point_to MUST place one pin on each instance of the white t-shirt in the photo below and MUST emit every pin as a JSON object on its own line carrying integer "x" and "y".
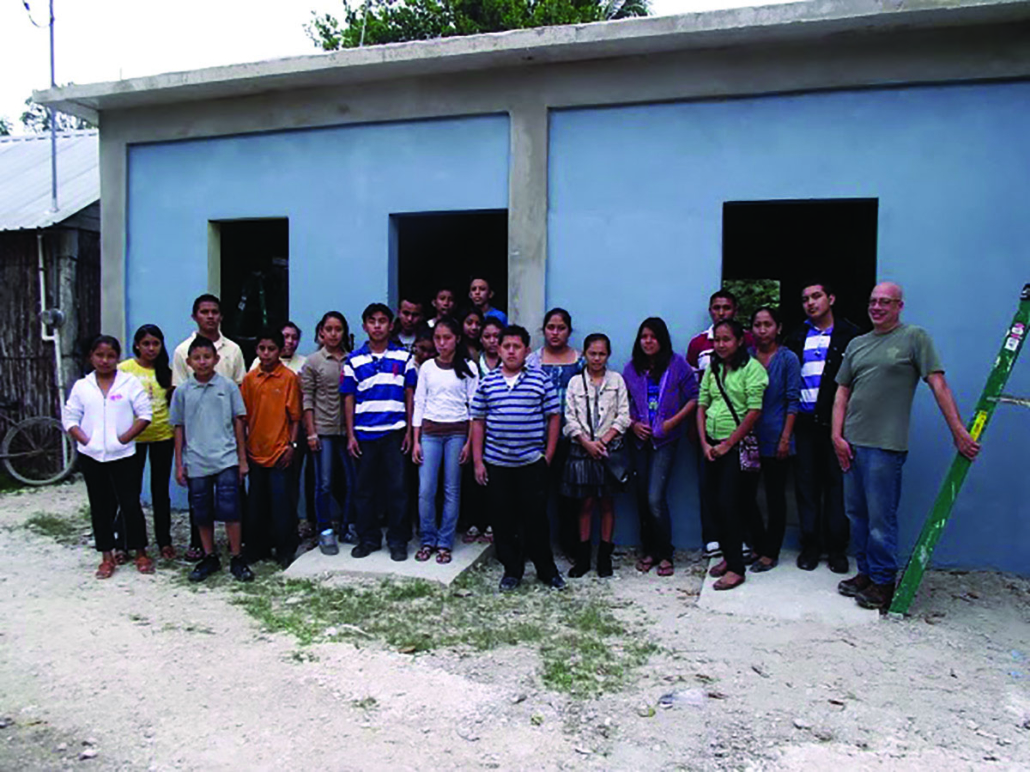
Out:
{"x": 442, "y": 396}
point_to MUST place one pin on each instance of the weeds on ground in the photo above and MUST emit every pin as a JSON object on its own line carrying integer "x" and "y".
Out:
{"x": 64, "y": 530}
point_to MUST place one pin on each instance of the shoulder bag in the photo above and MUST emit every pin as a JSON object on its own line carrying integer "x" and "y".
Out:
{"x": 617, "y": 462}
{"x": 750, "y": 458}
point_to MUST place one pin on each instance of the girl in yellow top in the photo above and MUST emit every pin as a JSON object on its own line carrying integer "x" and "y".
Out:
{"x": 150, "y": 365}
{"x": 729, "y": 405}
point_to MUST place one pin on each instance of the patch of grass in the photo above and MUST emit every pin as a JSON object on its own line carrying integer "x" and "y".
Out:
{"x": 368, "y": 703}
{"x": 64, "y": 530}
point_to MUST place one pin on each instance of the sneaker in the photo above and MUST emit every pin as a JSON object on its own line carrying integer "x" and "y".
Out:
{"x": 209, "y": 565}
{"x": 240, "y": 570}
{"x": 556, "y": 582}
{"x": 399, "y": 553}
{"x": 509, "y": 583}
{"x": 363, "y": 551}
{"x": 327, "y": 542}
{"x": 853, "y": 586}
{"x": 711, "y": 550}
{"x": 876, "y": 596}
{"x": 838, "y": 562}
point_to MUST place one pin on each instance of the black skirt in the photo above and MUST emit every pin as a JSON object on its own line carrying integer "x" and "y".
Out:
{"x": 585, "y": 477}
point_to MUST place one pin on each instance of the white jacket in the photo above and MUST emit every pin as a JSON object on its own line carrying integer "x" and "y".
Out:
{"x": 102, "y": 419}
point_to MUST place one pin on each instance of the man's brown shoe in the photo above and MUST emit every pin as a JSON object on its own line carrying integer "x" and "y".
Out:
{"x": 876, "y": 596}
{"x": 853, "y": 586}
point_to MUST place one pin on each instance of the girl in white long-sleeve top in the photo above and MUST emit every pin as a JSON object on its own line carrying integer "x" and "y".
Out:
{"x": 104, "y": 413}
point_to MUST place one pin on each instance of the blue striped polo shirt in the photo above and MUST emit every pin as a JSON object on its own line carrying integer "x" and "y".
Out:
{"x": 817, "y": 343}
{"x": 377, "y": 382}
{"x": 516, "y": 416}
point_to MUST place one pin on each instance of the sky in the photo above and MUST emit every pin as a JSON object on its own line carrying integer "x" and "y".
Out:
{"x": 106, "y": 40}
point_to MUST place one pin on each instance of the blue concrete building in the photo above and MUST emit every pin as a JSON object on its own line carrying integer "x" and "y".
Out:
{"x": 613, "y": 155}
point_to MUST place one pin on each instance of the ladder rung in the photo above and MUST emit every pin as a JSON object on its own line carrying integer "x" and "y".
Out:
{"x": 1008, "y": 399}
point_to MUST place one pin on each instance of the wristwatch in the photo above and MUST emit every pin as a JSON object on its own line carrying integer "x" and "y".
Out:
{"x": 293, "y": 445}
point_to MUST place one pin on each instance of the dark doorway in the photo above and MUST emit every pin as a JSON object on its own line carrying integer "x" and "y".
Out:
{"x": 795, "y": 241}
{"x": 447, "y": 248}
{"x": 253, "y": 262}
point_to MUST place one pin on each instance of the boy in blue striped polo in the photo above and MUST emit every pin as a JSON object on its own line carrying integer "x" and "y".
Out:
{"x": 378, "y": 387}
{"x": 516, "y": 418}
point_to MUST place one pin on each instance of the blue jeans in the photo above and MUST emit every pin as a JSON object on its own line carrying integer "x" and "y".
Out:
{"x": 216, "y": 497}
{"x": 436, "y": 450}
{"x": 271, "y": 520}
{"x": 872, "y": 489}
{"x": 380, "y": 484}
{"x": 334, "y": 447}
{"x": 653, "y": 467}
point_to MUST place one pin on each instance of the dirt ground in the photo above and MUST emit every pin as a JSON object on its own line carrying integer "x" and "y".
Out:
{"x": 145, "y": 673}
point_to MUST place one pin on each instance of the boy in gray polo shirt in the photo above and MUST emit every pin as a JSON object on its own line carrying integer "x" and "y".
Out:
{"x": 207, "y": 412}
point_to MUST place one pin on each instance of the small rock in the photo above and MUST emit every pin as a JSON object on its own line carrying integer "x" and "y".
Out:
{"x": 519, "y": 698}
{"x": 583, "y": 751}
{"x": 758, "y": 669}
{"x": 462, "y": 593}
{"x": 536, "y": 719}
{"x": 62, "y": 747}
{"x": 645, "y": 711}
{"x": 90, "y": 741}
{"x": 694, "y": 698}
{"x": 407, "y": 649}
{"x": 89, "y": 753}
{"x": 331, "y": 631}
{"x": 823, "y": 735}
{"x": 6, "y": 721}
{"x": 800, "y": 723}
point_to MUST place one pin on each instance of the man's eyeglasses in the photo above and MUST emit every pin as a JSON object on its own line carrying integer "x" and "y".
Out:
{"x": 882, "y": 302}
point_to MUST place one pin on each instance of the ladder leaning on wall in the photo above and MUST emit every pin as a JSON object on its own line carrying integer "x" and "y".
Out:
{"x": 990, "y": 398}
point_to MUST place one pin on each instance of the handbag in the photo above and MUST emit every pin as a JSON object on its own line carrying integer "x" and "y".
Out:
{"x": 617, "y": 462}
{"x": 750, "y": 458}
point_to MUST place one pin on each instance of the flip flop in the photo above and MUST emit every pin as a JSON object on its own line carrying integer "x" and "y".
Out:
{"x": 423, "y": 553}
{"x": 144, "y": 564}
{"x": 645, "y": 564}
{"x": 443, "y": 556}
{"x": 726, "y": 583}
{"x": 168, "y": 552}
{"x": 666, "y": 568}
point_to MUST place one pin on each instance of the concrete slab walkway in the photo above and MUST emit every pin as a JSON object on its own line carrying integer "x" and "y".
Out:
{"x": 464, "y": 556}
{"x": 789, "y": 593}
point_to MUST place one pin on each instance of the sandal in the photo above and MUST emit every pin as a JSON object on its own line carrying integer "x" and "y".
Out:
{"x": 423, "y": 553}
{"x": 470, "y": 535}
{"x": 443, "y": 556}
{"x": 665, "y": 568}
{"x": 121, "y": 557}
{"x": 645, "y": 564}
{"x": 719, "y": 569}
{"x": 106, "y": 569}
{"x": 194, "y": 554}
{"x": 488, "y": 536}
{"x": 144, "y": 564}
{"x": 168, "y": 552}
{"x": 729, "y": 581}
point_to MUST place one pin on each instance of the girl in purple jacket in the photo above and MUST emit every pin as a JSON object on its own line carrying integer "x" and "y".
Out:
{"x": 662, "y": 394}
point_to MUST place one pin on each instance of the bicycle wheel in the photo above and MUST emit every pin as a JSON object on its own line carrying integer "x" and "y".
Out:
{"x": 37, "y": 451}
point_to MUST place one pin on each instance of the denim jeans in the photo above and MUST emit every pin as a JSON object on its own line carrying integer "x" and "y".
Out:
{"x": 381, "y": 483}
{"x": 872, "y": 489}
{"x": 653, "y": 467}
{"x": 440, "y": 450}
{"x": 215, "y": 497}
{"x": 334, "y": 449}
{"x": 270, "y": 514}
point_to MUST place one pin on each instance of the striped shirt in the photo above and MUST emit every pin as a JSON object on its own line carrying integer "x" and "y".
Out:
{"x": 516, "y": 416}
{"x": 377, "y": 383}
{"x": 817, "y": 343}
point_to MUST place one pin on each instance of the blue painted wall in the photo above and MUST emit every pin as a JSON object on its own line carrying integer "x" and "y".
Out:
{"x": 337, "y": 186}
{"x": 635, "y": 210}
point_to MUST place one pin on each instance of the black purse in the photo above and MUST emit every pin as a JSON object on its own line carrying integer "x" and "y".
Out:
{"x": 617, "y": 462}
{"x": 750, "y": 458}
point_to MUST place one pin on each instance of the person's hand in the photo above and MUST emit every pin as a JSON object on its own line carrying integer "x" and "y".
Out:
{"x": 406, "y": 442}
{"x": 783, "y": 448}
{"x": 844, "y": 453}
{"x": 122, "y": 439}
{"x": 707, "y": 451}
{"x": 353, "y": 447}
{"x": 594, "y": 448}
{"x": 667, "y": 427}
{"x": 481, "y": 476}
{"x": 966, "y": 445}
{"x": 244, "y": 470}
{"x": 284, "y": 461}
{"x": 314, "y": 444}
{"x": 642, "y": 430}
{"x": 466, "y": 454}
{"x": 416, "y": 453}
{"x": 180, "y": 475}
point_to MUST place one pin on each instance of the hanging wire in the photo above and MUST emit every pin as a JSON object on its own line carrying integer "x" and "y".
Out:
{"x": 29, "y": 12}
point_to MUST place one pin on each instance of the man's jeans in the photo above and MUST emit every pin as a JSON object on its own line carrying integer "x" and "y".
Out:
{"x": 271, "y": 520}
{"x": 872, "y": 489}
{"x": 381, "y": 481}
{"x": 653, "y": 469}
{"x": 334, "y": 449}
{"x": 440, "y": 450}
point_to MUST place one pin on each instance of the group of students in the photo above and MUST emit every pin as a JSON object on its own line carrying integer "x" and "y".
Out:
{"x": 491, "y": 429}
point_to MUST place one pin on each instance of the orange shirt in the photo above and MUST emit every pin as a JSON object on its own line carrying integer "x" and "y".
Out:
{"x": 273, "y": 403}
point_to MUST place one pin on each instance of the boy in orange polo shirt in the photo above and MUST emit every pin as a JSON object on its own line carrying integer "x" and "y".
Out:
{"x": 272, "y": 396}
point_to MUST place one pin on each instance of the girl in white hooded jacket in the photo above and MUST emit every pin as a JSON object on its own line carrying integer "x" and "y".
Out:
{"x": 104, "y": 413}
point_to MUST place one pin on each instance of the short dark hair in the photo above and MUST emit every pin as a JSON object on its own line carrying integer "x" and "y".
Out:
{"x": 818, "y": 282}
{"x": 105, "y": 340}
{"x": 723, "y": 293}
{"x": 515, "y": 331}
{"x": 492, "y": 321}
{"x": 376, "y": 308}
{"x": 409, "y": 297}
{"x": 594, "y": 337}
{"x": 294, "y": 326}
{"x": 273, "y": 334}
{"x": 207, "y": 297}
{"x": 565, "y": 317}
{"x": 200, "y": 341}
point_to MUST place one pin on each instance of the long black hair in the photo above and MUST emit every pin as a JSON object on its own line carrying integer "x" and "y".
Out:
{"x": 162, "y": 371}
{"x": 461, "y": 362}
{"x": 346, "y": 340}
{"x": 642, "y": 363}
{"x": 741, "y": 357}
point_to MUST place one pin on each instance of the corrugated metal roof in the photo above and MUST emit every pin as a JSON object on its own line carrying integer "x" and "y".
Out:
{"x": 25, "y": 178}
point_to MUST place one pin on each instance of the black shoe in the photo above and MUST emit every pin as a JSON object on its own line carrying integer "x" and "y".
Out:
{"x": 876, "y": 596}
{"x": 399, "y": 553}
{"x": 808, "y": 560}
{"x": 240, "y": 570}
{"x": 556, "y": 582}
{"x": 209, "y": 565}
{"x": 604, "y": 559}
{"x": 849, "y": 588}
{"x": 509, "y": 583}
{"x": 581, "y": 562}
{"x": 838, "y": 562}
{"x": 363, "y": 551}
{"x": 758, "y": 567}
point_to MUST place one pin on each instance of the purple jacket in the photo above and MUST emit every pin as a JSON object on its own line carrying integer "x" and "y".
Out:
{"x": 677, "y": 387}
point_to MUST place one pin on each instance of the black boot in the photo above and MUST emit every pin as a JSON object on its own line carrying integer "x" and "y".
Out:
{"x": 604, "y": 558}
{"x": 582, "y": 560}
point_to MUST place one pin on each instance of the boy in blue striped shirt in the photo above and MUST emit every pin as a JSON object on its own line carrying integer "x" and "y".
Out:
{"x": 378, "y": 387}
{"x": 516, "y": 419}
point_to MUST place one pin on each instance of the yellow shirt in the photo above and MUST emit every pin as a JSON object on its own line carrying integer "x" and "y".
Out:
{"x": 160, "y": 429}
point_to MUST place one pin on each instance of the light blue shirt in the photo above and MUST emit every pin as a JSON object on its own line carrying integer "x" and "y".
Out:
{"x": 206, "y": 412}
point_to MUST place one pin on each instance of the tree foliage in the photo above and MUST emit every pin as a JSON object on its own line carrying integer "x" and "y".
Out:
{"x": 398, "y": 21}
{"x": 36, "y": 118}
{"x": 752, "y": 294}
{"x": 5, "y": 127}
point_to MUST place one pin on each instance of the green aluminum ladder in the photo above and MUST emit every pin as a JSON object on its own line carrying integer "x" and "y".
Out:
{"x": 990, "y": 398}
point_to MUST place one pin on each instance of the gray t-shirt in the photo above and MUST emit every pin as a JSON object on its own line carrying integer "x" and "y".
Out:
{"x": 882, "y": 371}
{"x": 206, "y": 412}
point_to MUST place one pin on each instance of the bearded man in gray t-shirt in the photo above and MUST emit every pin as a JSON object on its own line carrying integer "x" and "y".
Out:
{"x": 875, "y": 386}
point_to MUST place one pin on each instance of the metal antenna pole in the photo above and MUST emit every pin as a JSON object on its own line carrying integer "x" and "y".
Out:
{"x": 53, "y": 121}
